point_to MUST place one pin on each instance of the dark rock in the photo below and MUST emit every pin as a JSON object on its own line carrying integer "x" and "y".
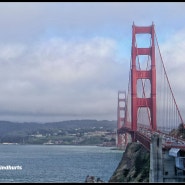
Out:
{"x": 134, "y": 165}
{"x": 92, "y": 179}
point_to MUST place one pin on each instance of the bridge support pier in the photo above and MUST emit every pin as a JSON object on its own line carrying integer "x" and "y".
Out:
{"x": 156, "y": 161}
{"x": 170, "y": 171}
{"x": 163, "y": 166}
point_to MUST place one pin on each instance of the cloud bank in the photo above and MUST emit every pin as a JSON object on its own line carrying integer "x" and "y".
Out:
{"x": 63, "y": 61}
{"x": 61, "y": 77}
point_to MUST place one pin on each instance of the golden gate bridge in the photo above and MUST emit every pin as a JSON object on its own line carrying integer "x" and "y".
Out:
{"x": 149, "y": 106}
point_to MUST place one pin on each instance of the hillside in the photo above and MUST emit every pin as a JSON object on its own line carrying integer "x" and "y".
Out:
{"x": 64, "y": 132}
{"x": 134, "y": 165}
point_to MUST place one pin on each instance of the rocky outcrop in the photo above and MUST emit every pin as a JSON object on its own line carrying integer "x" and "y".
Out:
{"x": 134, "y": 165}
{"x": 92, "y": 179}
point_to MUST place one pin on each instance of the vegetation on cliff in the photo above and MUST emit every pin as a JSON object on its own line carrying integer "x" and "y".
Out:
{"x": 134, "y": 165}
{"x": 179, "y": 132}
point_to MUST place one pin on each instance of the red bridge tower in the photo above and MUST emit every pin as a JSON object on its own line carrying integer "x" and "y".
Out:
{"x": 121, "y": 112}
{"x": 143, "y": 74}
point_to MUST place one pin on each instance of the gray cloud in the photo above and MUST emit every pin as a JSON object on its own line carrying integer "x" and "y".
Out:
{"x": 29, "y": 21}
{"x": 59, "y": 77}
{"x": 68, "y": 60}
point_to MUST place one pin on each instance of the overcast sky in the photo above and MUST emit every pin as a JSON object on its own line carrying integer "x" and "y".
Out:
{"x": 61, "y": 61}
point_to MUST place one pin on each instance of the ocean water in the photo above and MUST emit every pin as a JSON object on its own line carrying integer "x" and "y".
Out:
{"x": 56, "y": 163}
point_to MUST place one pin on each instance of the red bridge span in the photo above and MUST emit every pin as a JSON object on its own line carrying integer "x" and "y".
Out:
{"x": 149, "y": 106}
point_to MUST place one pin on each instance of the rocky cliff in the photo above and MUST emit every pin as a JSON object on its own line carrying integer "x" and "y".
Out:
{"x": 134, "y": 165}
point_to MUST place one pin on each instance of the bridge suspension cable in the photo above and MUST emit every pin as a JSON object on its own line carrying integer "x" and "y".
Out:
{"x": 168, "y": 113}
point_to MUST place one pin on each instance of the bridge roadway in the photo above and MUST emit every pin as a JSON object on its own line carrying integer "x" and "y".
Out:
{"x": 144, "y": 133}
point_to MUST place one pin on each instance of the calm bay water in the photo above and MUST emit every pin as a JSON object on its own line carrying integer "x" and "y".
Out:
{"x": 56, "y": 163}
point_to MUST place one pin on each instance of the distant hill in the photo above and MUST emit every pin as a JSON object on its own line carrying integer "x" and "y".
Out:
{"x": 85, "y": 124}
{"x": 8, "y": 128}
